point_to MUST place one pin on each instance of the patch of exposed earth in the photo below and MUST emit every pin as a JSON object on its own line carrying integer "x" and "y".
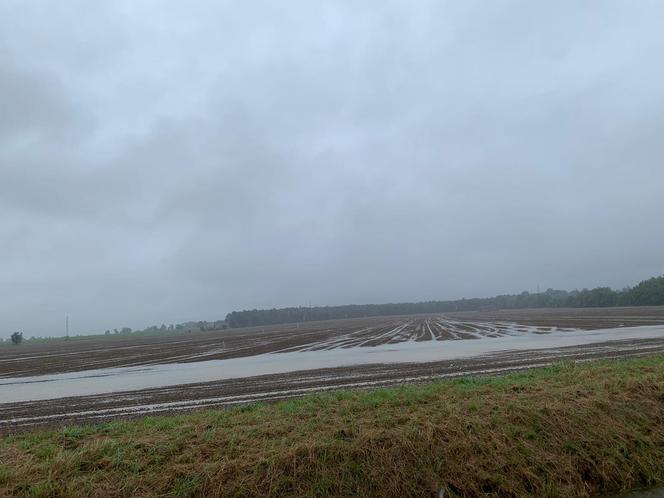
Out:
{"x": 320, "y": 356}
{"x": 15, "y": 417}
{"x": 126, "y": 351}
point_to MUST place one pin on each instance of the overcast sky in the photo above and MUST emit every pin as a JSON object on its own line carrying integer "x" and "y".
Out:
{"x": 173, "y": 161}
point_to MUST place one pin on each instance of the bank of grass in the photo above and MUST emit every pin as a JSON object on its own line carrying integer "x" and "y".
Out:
{"x": 568, "y": 430}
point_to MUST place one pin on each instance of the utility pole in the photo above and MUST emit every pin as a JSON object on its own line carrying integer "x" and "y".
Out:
{"x": 67, "y": 328}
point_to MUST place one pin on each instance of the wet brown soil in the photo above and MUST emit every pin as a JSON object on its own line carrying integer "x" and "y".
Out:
{"x": 129, "y": 351}
{"x": 17, "y": 417}
{"x": 113, "y": 351}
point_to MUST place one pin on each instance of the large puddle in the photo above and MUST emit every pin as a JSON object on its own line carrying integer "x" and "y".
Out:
{"x": 102, "y": 381}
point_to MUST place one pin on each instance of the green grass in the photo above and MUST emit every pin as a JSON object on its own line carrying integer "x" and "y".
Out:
{"x": 568, "y": 430}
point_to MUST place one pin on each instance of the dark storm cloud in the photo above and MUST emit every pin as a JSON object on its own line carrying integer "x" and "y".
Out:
{"x": 165, "y": 164}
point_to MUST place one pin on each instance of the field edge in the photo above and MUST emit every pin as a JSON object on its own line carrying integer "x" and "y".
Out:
{"x": 567, "y": 430}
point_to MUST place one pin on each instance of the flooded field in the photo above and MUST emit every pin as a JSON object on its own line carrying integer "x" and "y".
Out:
{"x": 112, "y": 377}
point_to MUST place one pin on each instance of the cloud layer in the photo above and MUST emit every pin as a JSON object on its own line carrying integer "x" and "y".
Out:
{"x": 160, "y": 164}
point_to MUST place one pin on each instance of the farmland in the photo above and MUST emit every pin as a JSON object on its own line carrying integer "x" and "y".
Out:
{"x": 589, "y": 429}
{"x": 103, "y": 352}
{"x": 106, "y": 378}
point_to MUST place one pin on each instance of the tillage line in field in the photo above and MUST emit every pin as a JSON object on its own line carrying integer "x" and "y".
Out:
{"x": 271, "y": 387}
{"x": 422, "y": 329}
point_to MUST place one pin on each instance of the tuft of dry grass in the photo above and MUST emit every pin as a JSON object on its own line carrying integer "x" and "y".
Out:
{"x": 568, "y": 430}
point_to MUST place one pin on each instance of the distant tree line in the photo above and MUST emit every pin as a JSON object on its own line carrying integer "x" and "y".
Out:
{"x": 201, "y": 325}
{"x": 181, "y": 327}
{"x": 647, "y": 293}
{"x": 187, "y": 327}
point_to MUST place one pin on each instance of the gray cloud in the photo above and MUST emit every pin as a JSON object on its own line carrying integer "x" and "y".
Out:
{"x": 164, "y": 164}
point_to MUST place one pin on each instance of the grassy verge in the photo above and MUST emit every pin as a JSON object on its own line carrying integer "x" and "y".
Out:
{"x": 569, "y": 430}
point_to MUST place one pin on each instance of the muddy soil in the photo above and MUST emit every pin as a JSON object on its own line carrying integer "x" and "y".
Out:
{"x": 17, "y": 417}
{"x": 104, "y": 352}
{"x": 113, "y": 351}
